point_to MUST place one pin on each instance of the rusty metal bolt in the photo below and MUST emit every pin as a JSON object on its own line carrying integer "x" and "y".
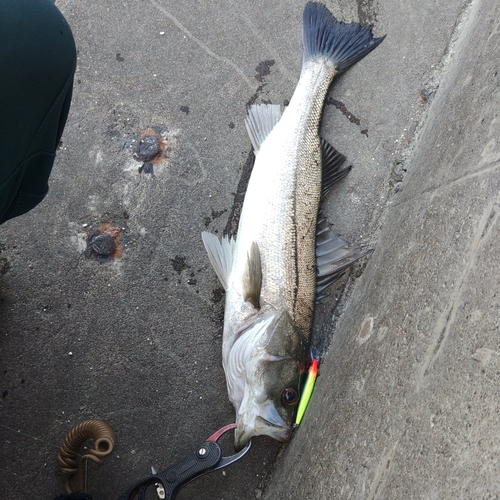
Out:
{"x": 103, "y": 244}
{"x": 147, "y": 148}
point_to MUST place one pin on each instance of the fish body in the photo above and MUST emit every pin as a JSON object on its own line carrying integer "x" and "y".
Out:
{"x": 270, "y": 272}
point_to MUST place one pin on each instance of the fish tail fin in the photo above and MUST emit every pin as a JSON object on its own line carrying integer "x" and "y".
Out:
{"x": 343, "y": 44}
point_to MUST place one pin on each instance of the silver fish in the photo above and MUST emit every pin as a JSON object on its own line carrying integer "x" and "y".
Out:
{"x": 283, "y": 256}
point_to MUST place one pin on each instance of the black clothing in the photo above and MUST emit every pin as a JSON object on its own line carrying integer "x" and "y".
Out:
{"x": 37, "y": 61}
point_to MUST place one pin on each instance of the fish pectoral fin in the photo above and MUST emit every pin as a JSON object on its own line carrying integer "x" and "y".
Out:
{"x": 260, "y": 121}
{"x": 220, "y": 254}
{"x": 333, "y": 169}
{"x": 253, "y": 277}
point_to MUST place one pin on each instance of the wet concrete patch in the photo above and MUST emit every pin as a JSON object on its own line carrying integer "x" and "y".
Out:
{"x": 262, "y": 69}
{"x": 147, "y": 168}
{"x": 217, "y": 295}
{"x": 342, "y": 107}
{"x": 215, "y": 215}
{"x": 179, "y": 264}
{"x": 234, "y": 216}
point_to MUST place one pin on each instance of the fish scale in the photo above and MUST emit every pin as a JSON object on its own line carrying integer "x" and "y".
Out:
{"x": 292, "y": 171}
{"x": 303, "y": 118}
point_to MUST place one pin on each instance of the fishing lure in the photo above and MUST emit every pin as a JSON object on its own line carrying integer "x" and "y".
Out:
{"x": 307, "y": 391}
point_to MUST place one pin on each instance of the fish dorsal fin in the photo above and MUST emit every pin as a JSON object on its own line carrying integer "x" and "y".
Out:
{"x": 260, "y": 121}
{"x": 220, "y": 254}
{"x": 253, "y": 277}
{"x": 333, "y": 169}
{"x": 333, "y": 256}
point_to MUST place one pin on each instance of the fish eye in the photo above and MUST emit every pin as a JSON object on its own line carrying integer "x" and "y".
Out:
{"x": 290, "y": 396}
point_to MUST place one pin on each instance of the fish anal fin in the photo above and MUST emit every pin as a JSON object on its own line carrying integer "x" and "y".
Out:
{"x": 260, "y": 121}
{"x": 220, "y": 254}
{"x": 253, "y": 277}
{"x": 333, "y": 167}
{"x": 333, "y": 256}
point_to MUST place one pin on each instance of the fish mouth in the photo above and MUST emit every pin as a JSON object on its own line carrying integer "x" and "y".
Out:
{"x": 261, "y": 427}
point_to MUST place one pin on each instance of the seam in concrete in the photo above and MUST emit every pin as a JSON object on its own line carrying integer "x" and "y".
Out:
{"x": 436, "y": 76}
{"x": 198, "y": 42}
{"x": 381, "y": 476}
{"x": 462, "y": 18}
{"x": 428, "y": 94}
{"x": 453, "y": 182}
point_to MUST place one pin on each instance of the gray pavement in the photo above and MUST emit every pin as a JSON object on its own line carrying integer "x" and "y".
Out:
{"x": 407, "y": 402}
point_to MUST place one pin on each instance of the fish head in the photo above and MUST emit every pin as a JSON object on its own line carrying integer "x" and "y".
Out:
{"x": 263, "y": 371}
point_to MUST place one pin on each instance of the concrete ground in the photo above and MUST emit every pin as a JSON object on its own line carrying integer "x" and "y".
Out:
{"x": 407, "y": 402}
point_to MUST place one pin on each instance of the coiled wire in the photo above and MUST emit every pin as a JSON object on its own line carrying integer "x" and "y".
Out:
{"x": 104, "y": 442}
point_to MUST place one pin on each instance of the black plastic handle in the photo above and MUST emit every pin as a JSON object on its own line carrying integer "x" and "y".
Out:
{"x": 201, "y": 460}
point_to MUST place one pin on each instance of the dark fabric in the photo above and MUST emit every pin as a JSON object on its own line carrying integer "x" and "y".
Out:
{"x": 38, "y": 59}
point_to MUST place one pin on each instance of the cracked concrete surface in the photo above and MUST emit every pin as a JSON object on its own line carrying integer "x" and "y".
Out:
{"x": 407, "y": 402}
